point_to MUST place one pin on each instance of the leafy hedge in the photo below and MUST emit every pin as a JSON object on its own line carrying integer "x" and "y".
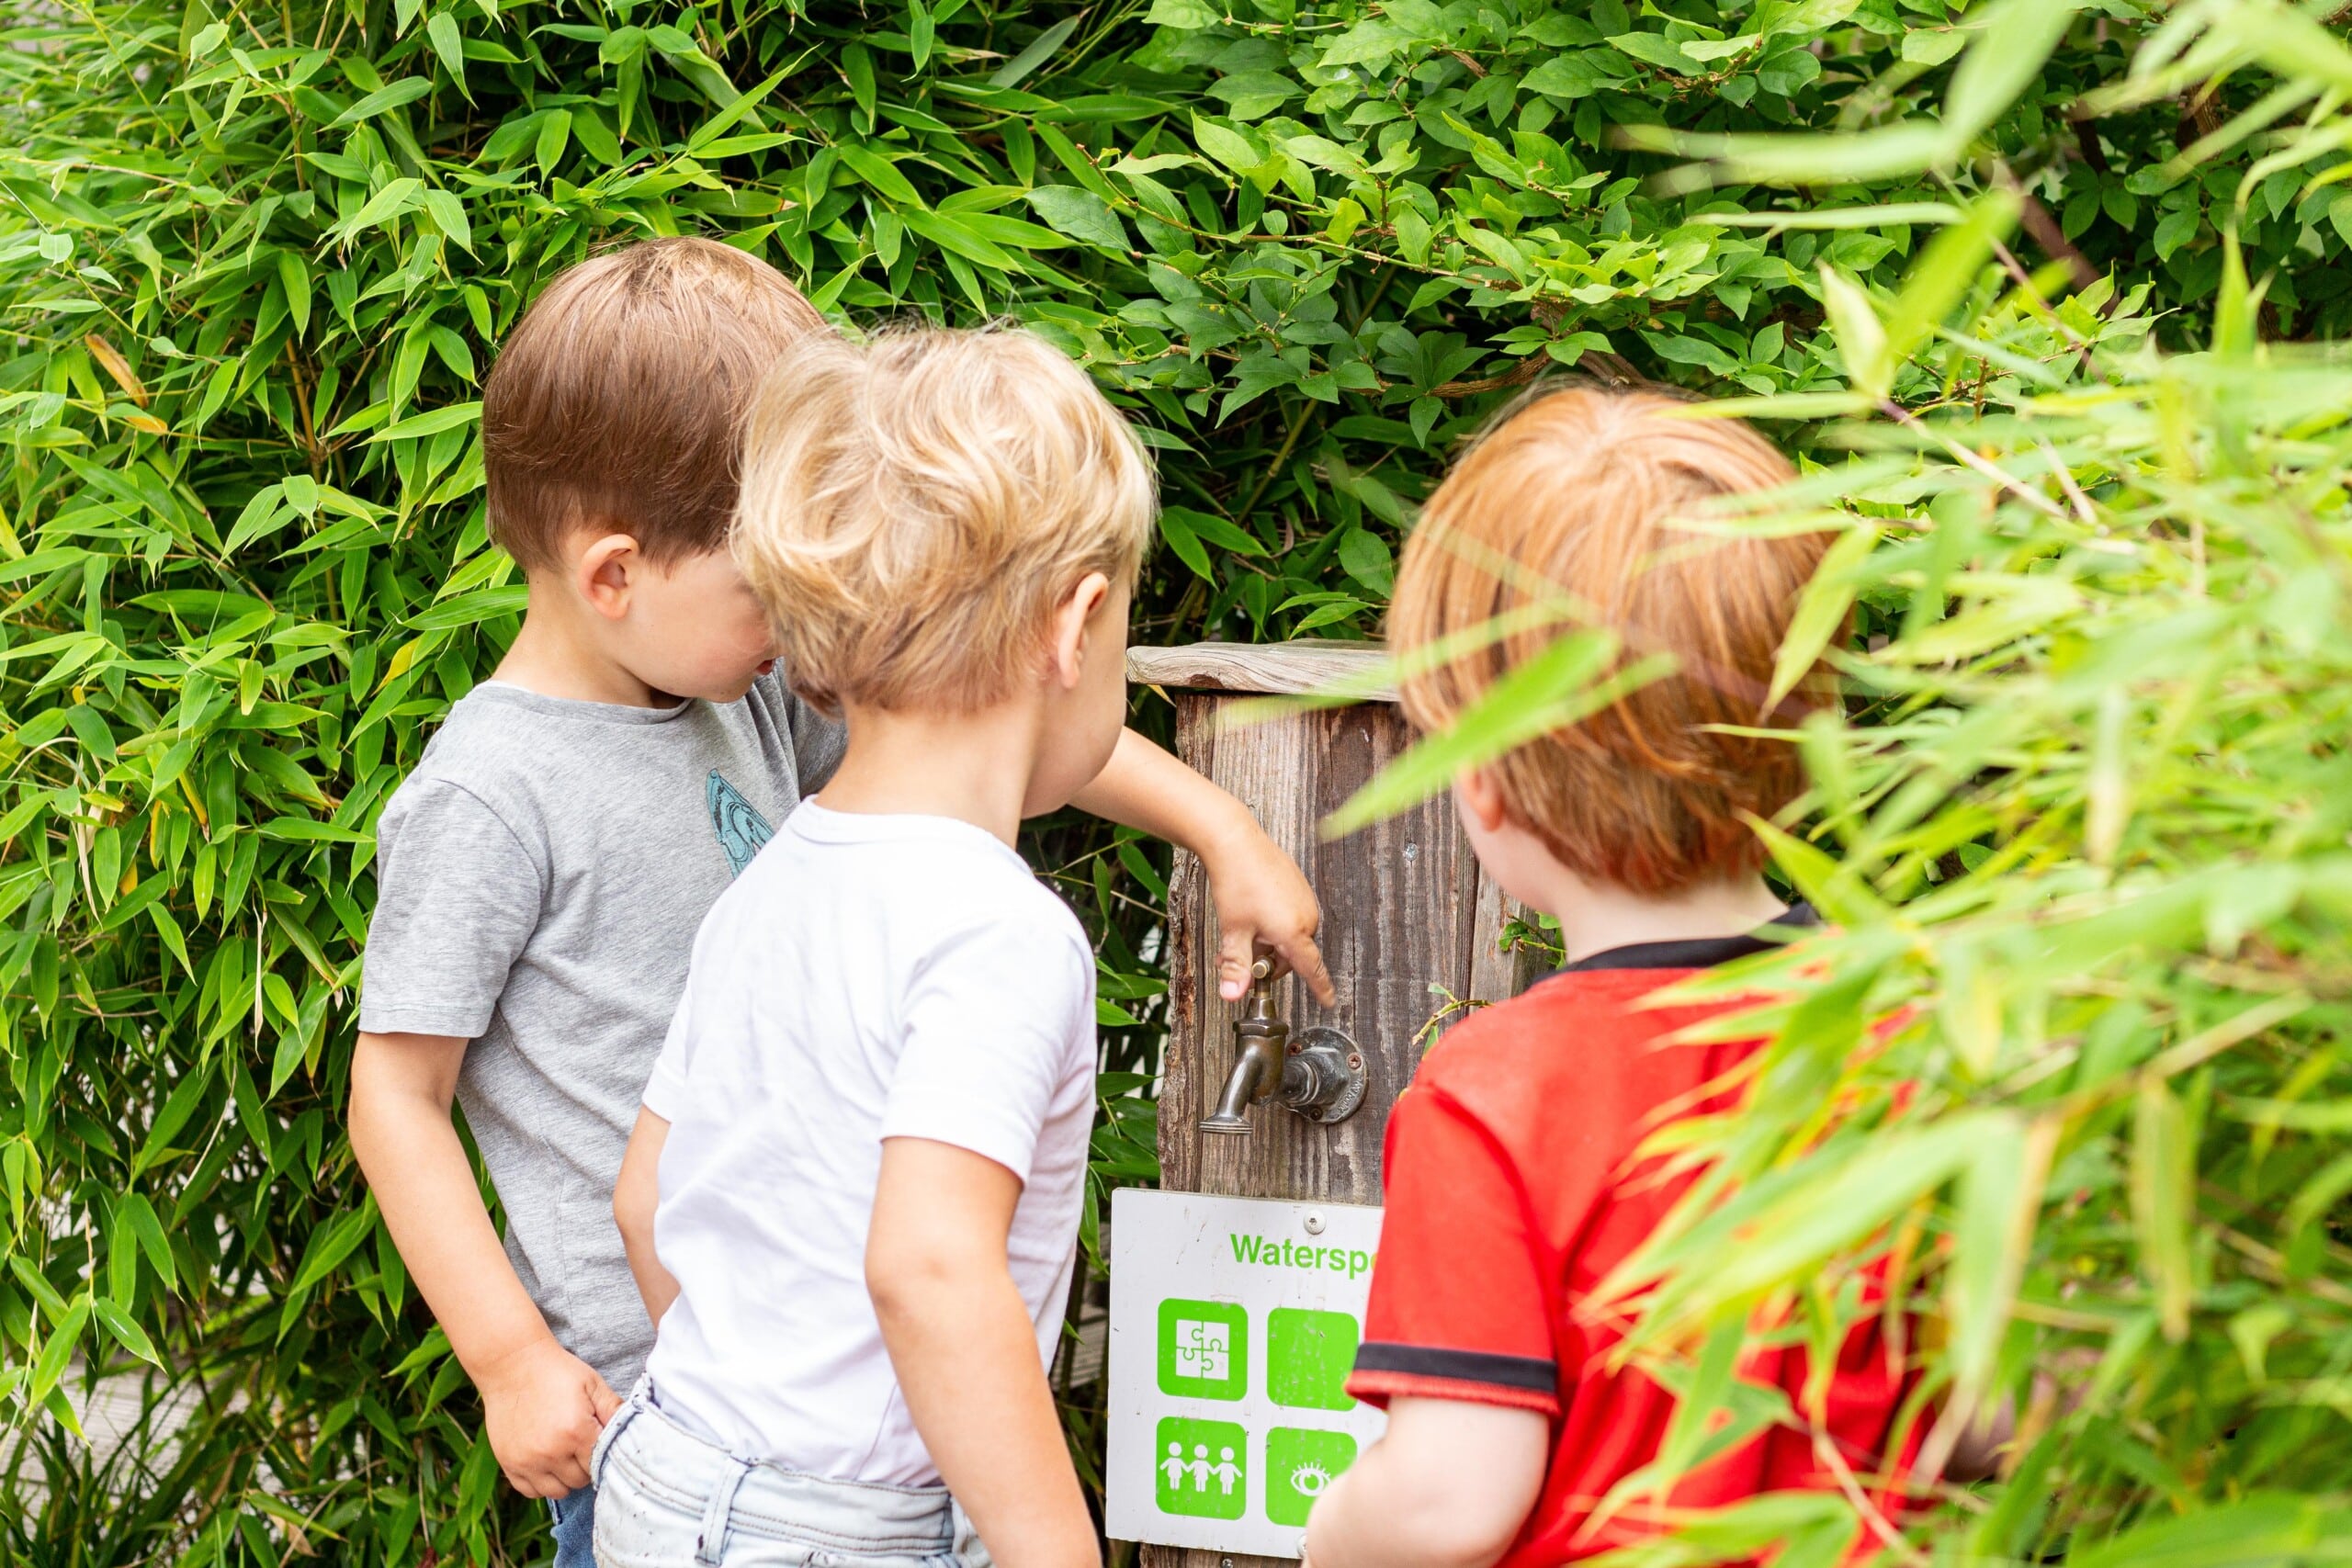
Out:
{"x": 254, "y": 261}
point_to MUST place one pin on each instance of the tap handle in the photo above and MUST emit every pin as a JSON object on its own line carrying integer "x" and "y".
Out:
{"x": 1258, "y": 1005}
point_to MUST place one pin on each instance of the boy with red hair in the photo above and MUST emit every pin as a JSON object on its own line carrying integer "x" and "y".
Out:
{"x": 1513, "y": 1183}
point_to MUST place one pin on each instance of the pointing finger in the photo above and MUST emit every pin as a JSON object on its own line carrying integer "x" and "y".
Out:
{"x": 1307, "y": 958}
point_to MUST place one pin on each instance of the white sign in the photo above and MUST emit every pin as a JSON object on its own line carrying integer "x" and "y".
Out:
{"x": 1234, "y": 1323}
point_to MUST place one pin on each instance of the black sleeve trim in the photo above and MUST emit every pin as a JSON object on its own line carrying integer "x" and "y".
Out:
{"x": 1531, "y": 1372}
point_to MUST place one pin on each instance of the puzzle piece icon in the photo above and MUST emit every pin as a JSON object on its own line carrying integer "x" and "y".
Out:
{"x": 1203, "y": 1349}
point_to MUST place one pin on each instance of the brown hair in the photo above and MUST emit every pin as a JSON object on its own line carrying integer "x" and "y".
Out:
{"x": 914, "y": 507}
{"x": 1574, "y": 497}
{"x": 619, "y": 398}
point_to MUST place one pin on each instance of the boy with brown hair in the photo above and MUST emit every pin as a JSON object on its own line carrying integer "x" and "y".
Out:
{"x": 1511, "y": 1185}
{"x": 541, "y": 874}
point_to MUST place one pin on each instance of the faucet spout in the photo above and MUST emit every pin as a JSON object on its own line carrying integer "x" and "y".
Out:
{"x": 1258, "y": 1038}
{"x": 1241, "y": 1086}
{"x": 1321, "y": 1076}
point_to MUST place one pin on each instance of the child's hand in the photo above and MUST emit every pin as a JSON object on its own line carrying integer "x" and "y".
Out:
{"x": 544, "y": 1407}
{"x": 1262, "y": 901}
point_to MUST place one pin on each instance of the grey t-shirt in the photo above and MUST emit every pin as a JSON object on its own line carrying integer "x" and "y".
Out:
{"x": 541, "y": 877}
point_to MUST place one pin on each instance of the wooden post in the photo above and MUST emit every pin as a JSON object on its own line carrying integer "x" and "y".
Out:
{"x": 1405, "y": 907}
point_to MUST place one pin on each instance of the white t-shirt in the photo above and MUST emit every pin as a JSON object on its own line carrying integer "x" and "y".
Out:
{"x": 866, "y": 977}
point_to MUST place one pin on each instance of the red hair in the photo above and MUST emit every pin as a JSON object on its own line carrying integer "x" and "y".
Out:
{"x": 1575, "y": 494}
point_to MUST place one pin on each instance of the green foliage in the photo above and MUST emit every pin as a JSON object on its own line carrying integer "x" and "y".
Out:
{"x": 2086, "y": 842}
{"x": 2067, "y": 1078}
{"x": 255, "y": 261}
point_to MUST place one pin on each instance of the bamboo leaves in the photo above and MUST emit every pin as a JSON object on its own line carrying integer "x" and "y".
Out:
{"x": 407, "y": 90}
{"x": 2163, "y": 1166}
{"x": 1080, "y": 213}
{"x": 1996, "y": 1209}
{"x": 2004, "y": 55}
{"x": 1822, "y": 611}
{"x": 881, "y": 173}
{"x": 255, "y": 267}
{"x": 1578, "y": 674}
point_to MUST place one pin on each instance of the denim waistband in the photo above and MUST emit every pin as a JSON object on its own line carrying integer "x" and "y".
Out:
{"x": 762, "y": 1499}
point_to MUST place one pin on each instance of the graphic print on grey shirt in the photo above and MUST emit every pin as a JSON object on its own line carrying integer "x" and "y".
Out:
{"x": 539, "y": 880}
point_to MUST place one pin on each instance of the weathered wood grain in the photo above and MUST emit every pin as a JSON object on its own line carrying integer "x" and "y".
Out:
{"x": 1280, "y": 669}
{"x": 1405, "y": 908}
{"x": 1400, "y": 899}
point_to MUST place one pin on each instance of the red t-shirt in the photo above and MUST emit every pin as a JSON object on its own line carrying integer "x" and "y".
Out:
{"x": 1511, "y": 1197}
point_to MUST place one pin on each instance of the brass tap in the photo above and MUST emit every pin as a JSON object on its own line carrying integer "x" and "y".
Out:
{"x": 1321, "y": 1075}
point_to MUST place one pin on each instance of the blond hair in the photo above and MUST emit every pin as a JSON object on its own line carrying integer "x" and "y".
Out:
{"x": 914, "y": 506}
{"x": 616, "y": 400}
{"x": 1575, "y": 495}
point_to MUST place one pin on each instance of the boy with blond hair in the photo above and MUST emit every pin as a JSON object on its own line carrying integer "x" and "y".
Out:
{"x": 854, "y": 1192}
{"x": 1512, "y": 1186}
{"x": 541, "y": 874}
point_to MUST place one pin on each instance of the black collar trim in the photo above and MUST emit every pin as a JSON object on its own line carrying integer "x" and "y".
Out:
{"x": 1702, "y": 953}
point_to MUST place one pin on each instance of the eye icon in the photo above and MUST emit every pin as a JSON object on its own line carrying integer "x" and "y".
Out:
{"x": 1309, "y": 1480}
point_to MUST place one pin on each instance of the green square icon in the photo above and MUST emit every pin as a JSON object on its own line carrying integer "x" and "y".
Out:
{"x": 1299, "y": 1465}
{"x": 1308, "y": 1357}
{"x": 1204, "y": 1349}
{"x": 1201, "y": 1468}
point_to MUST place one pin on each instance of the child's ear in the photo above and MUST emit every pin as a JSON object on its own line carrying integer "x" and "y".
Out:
{"x": 1073, "y": 619}
{"x": 1481, "y": 796}
{"x": 605, "y": 573}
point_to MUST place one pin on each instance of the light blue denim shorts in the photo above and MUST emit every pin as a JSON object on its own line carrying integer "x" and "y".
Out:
{"x": 668, "y": 1499}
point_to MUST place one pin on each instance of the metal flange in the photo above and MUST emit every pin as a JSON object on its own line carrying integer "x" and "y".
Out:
{"x": 1323, "y": 1076}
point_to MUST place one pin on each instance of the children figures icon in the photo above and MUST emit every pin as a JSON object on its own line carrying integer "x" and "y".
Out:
{"x": 1199, "y": 1471}
{"x": 1201, "y": 1468}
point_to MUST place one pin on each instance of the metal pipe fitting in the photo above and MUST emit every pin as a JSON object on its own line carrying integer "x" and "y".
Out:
{"x": 1320, "y": 1075}
{"x": 1324, "y": 1077}
{"x": 1258, "y": 1041}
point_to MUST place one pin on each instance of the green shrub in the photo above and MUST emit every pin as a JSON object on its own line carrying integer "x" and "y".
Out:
{"x": 2066, "y": 1080}
{"x": 254, "y": 261}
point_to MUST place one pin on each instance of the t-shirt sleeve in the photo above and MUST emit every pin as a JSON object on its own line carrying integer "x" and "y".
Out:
{"x": 992, "y": 1024}
{"x": 456, "y": 898}
{"x": 1459, "y": 1305}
